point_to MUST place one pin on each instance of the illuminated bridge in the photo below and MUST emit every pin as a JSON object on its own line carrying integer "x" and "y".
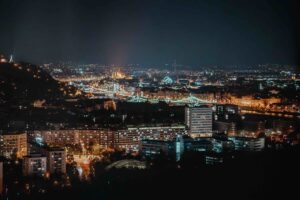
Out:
{"x": 187, "y": 100}
{"x": 190, "y": 100}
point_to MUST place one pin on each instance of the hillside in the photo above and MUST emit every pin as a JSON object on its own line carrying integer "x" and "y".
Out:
{"x": 22, "y": 84}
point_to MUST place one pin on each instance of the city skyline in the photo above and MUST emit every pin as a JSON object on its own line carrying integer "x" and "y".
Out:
{"x": 145, "y": 99}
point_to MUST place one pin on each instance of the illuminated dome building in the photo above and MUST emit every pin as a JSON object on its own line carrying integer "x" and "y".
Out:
{"x": 167, "y": 80}
{"x": 118, "y": 75}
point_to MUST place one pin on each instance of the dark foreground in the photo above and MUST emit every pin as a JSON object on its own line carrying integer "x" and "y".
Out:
{"x": 249, "y": 176}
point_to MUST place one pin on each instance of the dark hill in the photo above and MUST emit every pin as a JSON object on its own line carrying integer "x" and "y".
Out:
{"x": 24, "y": 83}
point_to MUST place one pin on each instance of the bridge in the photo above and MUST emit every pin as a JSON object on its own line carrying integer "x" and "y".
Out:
{"x": 187, "y": 100}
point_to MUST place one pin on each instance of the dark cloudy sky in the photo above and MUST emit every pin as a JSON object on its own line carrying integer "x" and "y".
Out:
{"x": 195, "y": 32}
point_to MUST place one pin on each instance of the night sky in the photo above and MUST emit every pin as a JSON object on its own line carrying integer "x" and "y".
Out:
{"x": 194, "y": 32}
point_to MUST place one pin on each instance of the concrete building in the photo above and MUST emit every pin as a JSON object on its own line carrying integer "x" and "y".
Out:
{"x": 13, "y": 144}
{"x": 176, "y": 147}
{"x": 130, "y": 138}
{"x": 222, "y": 145}
{"x": 151, "y": 148}
{"x": 56, "y": 157}
{"x": 248, "y": 143}
{"x": 56, "y": 160}
{"x": 86, "y": 137}
{"x": 35, "y": 164}
{"x": 1, "y": 178}
{"x": 198, "y": 144}
{"x": 199, "y": 121}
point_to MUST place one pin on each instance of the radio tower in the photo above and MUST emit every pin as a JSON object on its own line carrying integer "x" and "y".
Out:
{"x": 11, "y": 59}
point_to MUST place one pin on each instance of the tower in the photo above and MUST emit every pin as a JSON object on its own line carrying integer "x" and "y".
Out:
{"x": 199, "y": 121}
{"x": 11, "y": 59}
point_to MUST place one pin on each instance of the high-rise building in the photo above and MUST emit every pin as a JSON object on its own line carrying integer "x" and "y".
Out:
{"x": 35, "y": 164}
{"x": 55, "y": 156}
{"x": 199, "y": 121}
{"x": 13, "y": 144}
{"x": 56, "y": 160}
{"x": 1, "y": 178}
{"x": 198, "y": 144}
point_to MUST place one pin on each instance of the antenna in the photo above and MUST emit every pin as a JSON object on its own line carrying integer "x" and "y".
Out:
{"x": 11, "y": 59}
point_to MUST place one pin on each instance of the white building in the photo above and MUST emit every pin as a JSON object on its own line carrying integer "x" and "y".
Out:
{"x": 56, "y": 160}
{"x": 199, "y": 121}
{"x": 34, "y": 165}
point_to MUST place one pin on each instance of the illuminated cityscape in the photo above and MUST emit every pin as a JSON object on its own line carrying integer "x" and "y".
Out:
{"x": 128, "y": 99}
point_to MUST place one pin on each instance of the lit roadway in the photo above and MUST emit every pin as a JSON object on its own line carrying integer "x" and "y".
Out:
{"x": 271, "y": 113}
{"x": 79, "y": 78}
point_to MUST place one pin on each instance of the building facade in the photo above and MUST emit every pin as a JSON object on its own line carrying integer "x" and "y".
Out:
{"x": 13, "y": 145}
{"x": 56, "y": 160}
{"x": 130, "y": 139}
{"x": 56, "y": 157}
{"x": 151, "y": 148}
{"x": 85, "y": 137}
{"x": 176, "y": 147}
{"x": 248, "y": 143}
{"x": 34, "y": 165}
{"x": 199, "y": 121}
{"x": 1, "y": 178}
